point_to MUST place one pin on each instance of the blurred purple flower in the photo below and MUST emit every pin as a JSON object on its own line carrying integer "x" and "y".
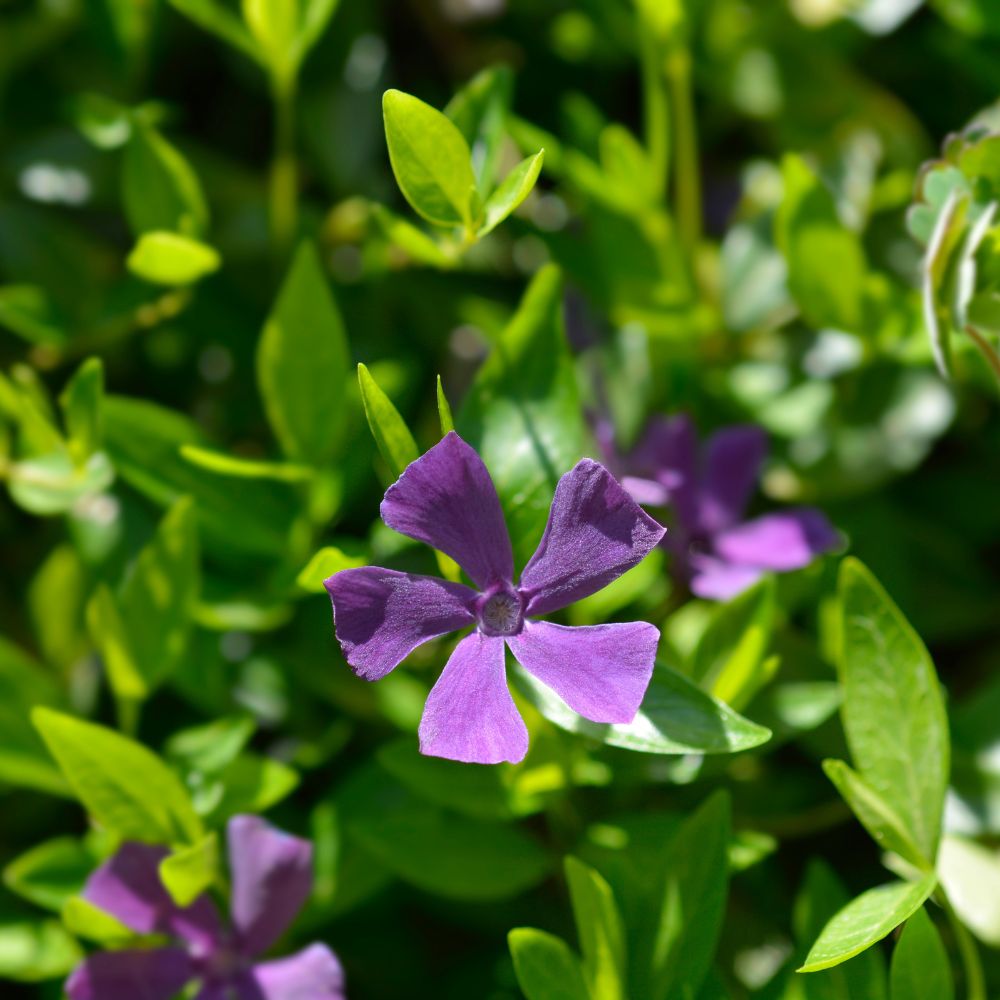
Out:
{"x": 717, "y": 552}
{"x": 271, "y": 881}
{"x": 595, "y": 532}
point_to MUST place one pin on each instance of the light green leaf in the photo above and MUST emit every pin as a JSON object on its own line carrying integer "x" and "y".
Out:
{"x": 249, "y": 784}
{"x": 244, "y": 468}
{"x": 166, "y": 258}
{"x": 161, "y": 191}
{"x": 523, "y": 411}
{"x": 323, "y": 565}
{"x": 32, "y": 952}
{"x": 937, "y": 272}
{"x": 54, "y": 483}
{"x": 104, "y": 122}
{"x": 28, "y": 311}
{"x": 81, "y": 402}
{"x": 874, "y": 814}
{"x": 729, "y": 658}
{"x": 87, "y": 921}
{"x": 415, "y": 242}
{"x": 431, "y": 161}
{"x": 689, "y": 914}
{"x": 393, "y": 437}
{"x": 676, "y": 717}
{"x": 302, "y": 363}
{"x": 866, "y": 920}
{"x": 190, "y": 871}
{"x": 826, "y": 262}
{"x": 514, "y": 188}
{"x": 211, "y": 747}
{"x": 545, "y": 966}
{"x": 213, "y": 16}
{"x": 970, "y": 875}
{"x": 893, "y": 712}
{"x": 479, "y": 111}
{"x": 50, "y": 873}
{"x": 314, "y": 20}
{"x": 444, "y": 410}
{"x": 483, "y": 862}
{"x": 920, "y": 968}
{"x": 599, "y": 926}
{"x": 123, "y": 786}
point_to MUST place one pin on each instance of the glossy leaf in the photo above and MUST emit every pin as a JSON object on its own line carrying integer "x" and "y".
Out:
{"x": 393, "y": 437}
{"x": 920, "y": 966}
{"x": 600, "y": 929}
{"x": 302, "y": 363}
{"x": 479, "y": 111}
{"x": 514, "y": 188}
{"x": 545, "y": 966}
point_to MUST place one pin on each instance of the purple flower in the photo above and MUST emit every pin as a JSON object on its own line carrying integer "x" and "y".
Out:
{"x": 594, "y": 534}
{"x": 716, "y": 551}
{"x": 271, "y": 881}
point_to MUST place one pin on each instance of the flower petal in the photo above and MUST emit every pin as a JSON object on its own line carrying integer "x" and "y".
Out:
{"x": 600, "y": 671}
{"x": 381, "y": 615}
{"x": 785, "y": 540}
{"x": 447, "y": 499}
{"x": 717, "y": 580}
{"x": 272, "y": 878}
{"x": 595, "y": 532}
{"x": 128, "y": 887}
{"x": 667, "y": 453}
{"x": 732, "y": 465}
{"x": 312, "y": 974}
{"x": 131, "y": 975}
{"x": 470, "y": 715}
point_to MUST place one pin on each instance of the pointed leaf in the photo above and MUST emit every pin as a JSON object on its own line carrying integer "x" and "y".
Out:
{"x": 920, "y": 967}
{"x": 165, "y": 258}
{"x": 190, "y": 871}
{"x": 393, "y": 437}
{"x": 545, "y": 966}
{"x": 516, "y": 186}
{"x": 600, "y": 929}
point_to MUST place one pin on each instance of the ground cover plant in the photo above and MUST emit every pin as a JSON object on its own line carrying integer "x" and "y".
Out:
{"x": 500, "y": 499}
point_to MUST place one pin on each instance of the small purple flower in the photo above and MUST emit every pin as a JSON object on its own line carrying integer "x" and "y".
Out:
{"x": 271, "y": 881}
{"x": 595, "y": 532}
{"x": 717, "y": 552}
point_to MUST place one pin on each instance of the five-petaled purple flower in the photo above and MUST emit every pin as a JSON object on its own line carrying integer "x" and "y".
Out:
{"x": 716, "y": 551}
{"x": 271, "y": 880}
{"x": 595, "y": 532}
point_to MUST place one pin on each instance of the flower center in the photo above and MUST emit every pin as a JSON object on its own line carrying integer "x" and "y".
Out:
{"x": 501, "y": 613}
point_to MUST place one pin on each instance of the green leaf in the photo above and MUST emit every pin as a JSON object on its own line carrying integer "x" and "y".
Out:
{"x": 599, "y": 926}
{"x": 249, "y": 784}
{"x": 214, "y": 17}
{"x": 142, "y": 633}
{"x": 920, "y": 966}
{"x": 729, "y": 659}
{"x": 160, "y": 189}
{"x": 483, "y": 861}
{"x": 211, "y": 747}
{"x": 937, "y": 272}
{"x": 523, "y": 411}
{"x": 33, "y": 952}
{"x": 444, "y": 410}
{"x": 54, "y": 483}
{"x": 123, "y": 786}
{"x": 676, "y": 717}
{"x": 479, "y": 111}
{"x": 323, "y": 565}
{"x": 274, "y": 25}
{"x": 689, "y": 912}
{"x": 247, "y": 517}
{"x": 826, "y": 262}
{"x": 417, "y": 244}
{"x": 820, "y": 898}
{"x": 893, "y": 712}
{"x": 516, "y": 186}
{"x": 28, "y": 311}
{"x": 244, "y": 468}
{"x": 87, "y": 921}
{"x": 970, "y": 875}
{"x": 190, "y": 871}
{"x": 545, "y": 966}
{"x": 866, "y": 920}
{"x": 302, "y": 363}
{"x": 314, "y": 20}
{"x": 393, "y": 437}
{"x": 431, "y": 161}
{"x": 874, "y": 814}
{"x": 50, "y": 873}
{"x": 24, "y": 761}
{"x": 165, "y": 258}
{"x": 81, "y": 402}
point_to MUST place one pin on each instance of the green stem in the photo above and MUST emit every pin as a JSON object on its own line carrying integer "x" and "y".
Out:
{"x": 129, "y": 710}
{"x": 656, "y": 108}
{"x": 284, "y": 193}
{"x": 975, "y": 981}
{"x": 687, "y": 180}
{"x": 992, "y": 359}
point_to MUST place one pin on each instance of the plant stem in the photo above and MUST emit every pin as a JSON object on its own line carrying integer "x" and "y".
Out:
{"x": 283, "y": 195}
{"x": 656, "y": 109}
{"x": 975, "y": 981}
{"x": 687, "y": 182}
{"x": 985, "y": 349}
